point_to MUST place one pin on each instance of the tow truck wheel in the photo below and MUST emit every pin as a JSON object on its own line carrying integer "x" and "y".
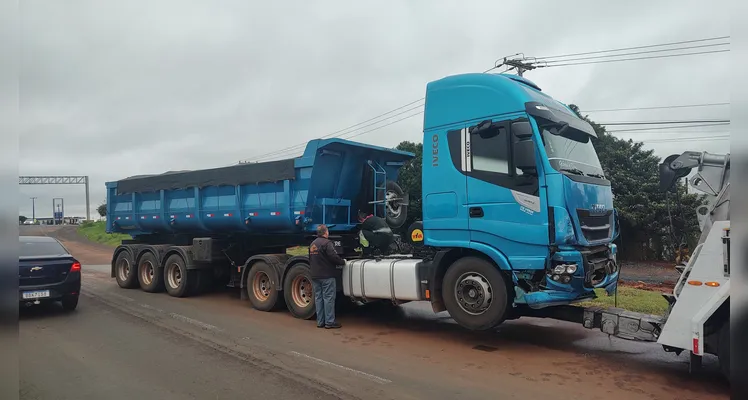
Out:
{"x": 298, "y": 291}
{"x": 125, "y": 271}
{"x": 723, "y": 351}
{"x": 475, "y": 293}
{"x": 260, "y": 288}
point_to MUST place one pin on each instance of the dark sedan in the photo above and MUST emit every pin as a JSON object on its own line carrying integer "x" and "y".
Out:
{"x": 47, "y": 272}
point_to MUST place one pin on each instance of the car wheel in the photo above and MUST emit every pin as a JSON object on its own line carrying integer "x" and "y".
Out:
{"x": 70, "y": 303}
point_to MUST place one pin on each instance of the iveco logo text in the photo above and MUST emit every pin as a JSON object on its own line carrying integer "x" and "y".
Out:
{"x": 597, "y": 208}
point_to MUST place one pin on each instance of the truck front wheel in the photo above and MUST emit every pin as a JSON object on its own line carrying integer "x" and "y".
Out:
{"x": 260, "y": 287}
{"x": 475, "y": 293}
{"x": 298, "y": 291}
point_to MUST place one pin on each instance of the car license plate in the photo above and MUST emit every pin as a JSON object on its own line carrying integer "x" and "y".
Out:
{"x": 36, "y": 294}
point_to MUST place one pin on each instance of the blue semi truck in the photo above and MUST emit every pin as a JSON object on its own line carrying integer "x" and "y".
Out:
{"x": 518, "y": 216}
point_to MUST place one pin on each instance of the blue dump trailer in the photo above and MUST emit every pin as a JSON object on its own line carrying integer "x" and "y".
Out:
{"x": 518, "y": 216}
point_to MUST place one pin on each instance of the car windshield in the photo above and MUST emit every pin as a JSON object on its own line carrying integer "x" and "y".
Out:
{"x": 572, "y": 154}
{"x": 40, "y": 249}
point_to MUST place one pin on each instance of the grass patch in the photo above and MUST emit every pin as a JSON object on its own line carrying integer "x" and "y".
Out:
{"x": 96, "y": 232}
{"x": 298, "y": 251}
{"x": 638, "y": 300}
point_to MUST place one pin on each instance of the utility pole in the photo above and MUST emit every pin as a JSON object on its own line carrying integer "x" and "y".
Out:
{"x": 33, "y": 209}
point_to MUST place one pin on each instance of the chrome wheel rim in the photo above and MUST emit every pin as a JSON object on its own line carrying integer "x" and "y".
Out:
{"x": 146, "y": 272}
{"x": 261, "y": 286}
{"x": 473, "y": 293}
{"x": 123, "y": 269}
{"x": 174, "y": 276}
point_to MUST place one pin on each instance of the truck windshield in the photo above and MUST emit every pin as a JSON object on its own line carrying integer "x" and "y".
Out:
{"x": 573, "y": 155}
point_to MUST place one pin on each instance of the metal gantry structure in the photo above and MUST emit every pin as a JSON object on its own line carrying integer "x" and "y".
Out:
{"x": 60, "y": 180}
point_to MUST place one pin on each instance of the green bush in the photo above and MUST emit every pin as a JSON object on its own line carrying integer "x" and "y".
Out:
{"x": 96, "y": 232}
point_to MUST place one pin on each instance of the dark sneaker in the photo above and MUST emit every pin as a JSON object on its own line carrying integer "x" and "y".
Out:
{"x": 320, "y": 326}
{"x": 333, "y": 326}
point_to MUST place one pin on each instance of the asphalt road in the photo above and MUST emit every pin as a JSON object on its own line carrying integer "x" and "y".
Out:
{"x": 130, "y": 344}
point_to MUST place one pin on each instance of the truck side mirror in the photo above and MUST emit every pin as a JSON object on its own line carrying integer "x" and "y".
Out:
{"x": 521, "y": 130}
{"x": 486, "y": 129}
{"x": 524, "y": 155}
{"x": 523, "y": 149}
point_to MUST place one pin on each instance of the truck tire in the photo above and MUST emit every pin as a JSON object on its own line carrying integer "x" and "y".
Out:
{"x": 396, "y": 213}
{"x": 178, "y": 280}
{"x": 475, "y": 293}
{"x": 260, "y": 288}
{"x": 723, "y": 351}
{"x": 125, "y": 271}
{"x": 150, "y": 275}
{"x": 298, "y": 291}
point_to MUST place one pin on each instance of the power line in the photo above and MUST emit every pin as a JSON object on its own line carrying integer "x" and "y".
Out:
{"x": 375, "y": 129}
{"x": 634, "y": 59}
{"x": 636, "y": 53}
{"x": 300, "y": 145}
{"x": 665, "y": 127}
{"x": 633, "y": 48}
{"x": 703, "y": 121}
{"x": 688, "y": 139}
{"x": 656, "y": 107}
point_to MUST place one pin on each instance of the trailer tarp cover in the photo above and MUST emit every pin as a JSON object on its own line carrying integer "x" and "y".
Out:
{"x": 242, "y": 174}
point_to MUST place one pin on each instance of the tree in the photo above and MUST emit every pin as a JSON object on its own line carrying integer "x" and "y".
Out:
{"x": 21, "y": 219}
{"x": 409, "y": 180}
{"x": 101, "y": 209}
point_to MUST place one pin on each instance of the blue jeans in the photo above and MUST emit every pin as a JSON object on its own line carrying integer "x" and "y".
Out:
{"x": 324, "y": 300}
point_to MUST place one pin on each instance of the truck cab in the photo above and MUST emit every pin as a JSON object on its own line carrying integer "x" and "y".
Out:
{"x": 511, "y": 178}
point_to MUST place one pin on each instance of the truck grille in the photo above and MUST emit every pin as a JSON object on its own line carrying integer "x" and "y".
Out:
{"x": 595, "y": 226}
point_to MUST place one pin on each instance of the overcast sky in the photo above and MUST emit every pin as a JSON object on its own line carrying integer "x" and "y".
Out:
{"x": 112, "y": 89}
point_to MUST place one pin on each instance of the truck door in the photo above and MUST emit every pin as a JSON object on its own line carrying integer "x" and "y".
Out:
{"x": 506, "y": 206}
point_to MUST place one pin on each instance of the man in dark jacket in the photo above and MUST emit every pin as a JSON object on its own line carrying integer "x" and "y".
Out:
{"x": 376, "y": 236}
{"x": 324, "y": 262}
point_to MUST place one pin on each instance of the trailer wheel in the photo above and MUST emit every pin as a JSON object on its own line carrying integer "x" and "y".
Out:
{"x": 178, "y": 280}
{"x": 723, "y": 351}
{"x": 298, "y": 291}
{"x": 125, "y": 271}
{"x": 150, "y": 276}
{"x": 260, "y": 287}
{"x": 475, "y": 293}
{"x": 396, "y": 212}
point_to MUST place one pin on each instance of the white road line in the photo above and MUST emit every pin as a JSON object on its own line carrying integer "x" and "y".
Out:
{"x": 331, "y": 364}
{"x": 119, "y": 296}
{"x": 195, "y": 322}
{"x": 150, "y": 307}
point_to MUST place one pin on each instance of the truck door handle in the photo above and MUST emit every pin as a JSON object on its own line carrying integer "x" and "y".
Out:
{"x": 476, "y": 212}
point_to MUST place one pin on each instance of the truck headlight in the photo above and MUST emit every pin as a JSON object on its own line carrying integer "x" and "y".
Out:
{"x": 571, "y": 269}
